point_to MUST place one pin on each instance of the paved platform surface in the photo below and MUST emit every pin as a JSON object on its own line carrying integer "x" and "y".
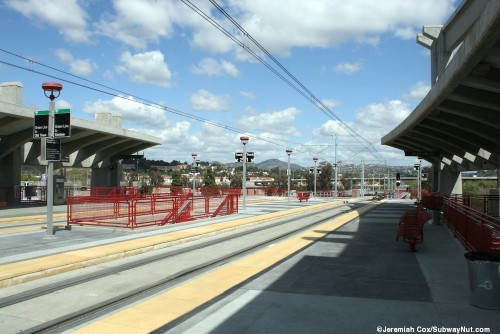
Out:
{"x": 357, "y": 279}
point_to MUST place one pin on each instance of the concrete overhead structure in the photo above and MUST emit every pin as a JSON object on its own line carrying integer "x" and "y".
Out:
{"x": 456, "y": 127}
{"x": 98, "y": 145}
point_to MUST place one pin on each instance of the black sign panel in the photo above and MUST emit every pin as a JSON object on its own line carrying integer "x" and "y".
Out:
{"x": 250, "y": 156}
{"x": 52, "y": 149}
{"x": 238, "y": 156}
{"x": 62, "y": 123}
{"x": 41, "y": 124}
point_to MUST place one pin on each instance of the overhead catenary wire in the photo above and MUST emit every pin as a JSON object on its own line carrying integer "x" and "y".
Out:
{"x": 139, "y": 100}
{"x": 297, "y": 86}
{"x": 309, "y": 95}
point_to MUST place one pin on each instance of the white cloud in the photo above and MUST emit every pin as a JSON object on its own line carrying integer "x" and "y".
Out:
{"x": 151, "y": 117}
{"x": 65, "y": 15}
{"x": 383, "y": 116}
{"x": 148, "y": 67}
{"x": 348, "y": 68}
{"x": 418, "y": 91}
{"x": 278, "y": 122}
{"x": 248, "y": 95}
{"x": 204, "y": 100}
{"x": 320, "y": 23}
{"x": 326, "y": 23}
{"x": 211, "y": 67}
{"x": 76, "y": 66}
{"x": 138, "y": 22}
{"x": 331, "y": 103}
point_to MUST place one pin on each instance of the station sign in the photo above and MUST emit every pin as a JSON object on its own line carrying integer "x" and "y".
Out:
{"x": 51, "y": 149}
{"x": 41, "y": 124}
{"x": 238, "y": 156}
{"x": 250, "y": 156}
{"x": 62, "y": 123}
{"x": 194, "y": 170}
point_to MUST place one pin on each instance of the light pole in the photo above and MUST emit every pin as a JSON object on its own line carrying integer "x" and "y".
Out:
{"x": 315, "y": 172}
{"x": 244, "y": 141}
{"x": 288, "y": 172}
{"x": 418, "y": 167}
{"x": 335, "y": 165}
{"x": 49, "y": 88}
{"x": 194, "y": 155}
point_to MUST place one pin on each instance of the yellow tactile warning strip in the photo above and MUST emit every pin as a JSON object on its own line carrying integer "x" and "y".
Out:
{"x": 162, "y": 309}
{"x": 13, "y": 221}
{"x": 28, "y": 270}
{"x": 30, "y": 217}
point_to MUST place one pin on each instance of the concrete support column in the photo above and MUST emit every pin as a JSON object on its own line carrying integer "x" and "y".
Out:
{"x": 450, "y": 181}
{"x": 106, "y": 176}
{"x": 10, "y": 178}
{"x": 447, "y": 182}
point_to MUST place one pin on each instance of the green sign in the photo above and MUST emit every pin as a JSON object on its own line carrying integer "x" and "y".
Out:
{"x": 41, "y": 124}
{"x": 62, "y": 123}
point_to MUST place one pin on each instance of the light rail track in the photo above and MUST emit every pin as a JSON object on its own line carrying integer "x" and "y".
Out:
{"x": 182, "y": 263}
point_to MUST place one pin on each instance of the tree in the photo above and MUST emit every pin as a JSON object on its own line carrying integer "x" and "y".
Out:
{"x": 209, "y": 178}
{"x": 210, "y": 187}
{"x": 176, "y": 183}
{"x": 325, "y": 178}
{"x": 155, "y": 177}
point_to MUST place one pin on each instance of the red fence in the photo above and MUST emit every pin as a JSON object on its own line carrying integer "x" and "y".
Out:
{"x": 477, "y": 231}
{"x": 132, "y": 210}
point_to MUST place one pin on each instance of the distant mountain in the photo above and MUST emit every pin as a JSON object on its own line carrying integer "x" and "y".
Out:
{"x": 276, "y": 163}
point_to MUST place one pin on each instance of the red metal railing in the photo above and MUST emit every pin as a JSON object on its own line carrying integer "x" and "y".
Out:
{"x": 480, "y": 203}
{"x": 476, "y": 230}
{"x": 128, "y": 210}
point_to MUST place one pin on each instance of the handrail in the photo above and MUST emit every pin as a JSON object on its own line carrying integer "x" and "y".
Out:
{"x": 476, "y": 230}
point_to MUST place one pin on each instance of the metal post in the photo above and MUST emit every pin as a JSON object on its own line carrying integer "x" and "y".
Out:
{"x": 50, "y": 87}
{"x": 362, "y": 188}
{"x": 420, "y": 181}
{"x": 244, "y": 141}
{"x": 288, "y": 172}
{"x": 194, "y": 174}
{"x": 315, "y": 173}
{"x": 336, "y": 165}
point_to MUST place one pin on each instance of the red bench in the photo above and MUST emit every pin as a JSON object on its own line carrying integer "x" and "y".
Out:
{"x": 433, "y": 201}
{"x": 303, "y": 196}
{"x": 3, "y": 203}
{"x": 411, "y": 226}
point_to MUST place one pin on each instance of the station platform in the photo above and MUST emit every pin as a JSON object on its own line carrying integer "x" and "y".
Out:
{"x": 354, "y": 279}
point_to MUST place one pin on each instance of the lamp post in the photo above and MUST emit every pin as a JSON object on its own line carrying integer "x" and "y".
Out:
{"x": 288, "y": 172}
{"x": 244, "y": 141}
{"x": 49, "y": 88}
{"x": 418, "y": 167}
{"x": 315, "y": 172}
{"x": 335, "y": 165}
{"x": 194, "y": 155}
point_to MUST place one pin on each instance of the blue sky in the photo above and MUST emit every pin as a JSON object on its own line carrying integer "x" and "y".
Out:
{"x": 359, "y": 58}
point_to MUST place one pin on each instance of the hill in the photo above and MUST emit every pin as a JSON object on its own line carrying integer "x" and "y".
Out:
{"x": 276, "y": 163}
